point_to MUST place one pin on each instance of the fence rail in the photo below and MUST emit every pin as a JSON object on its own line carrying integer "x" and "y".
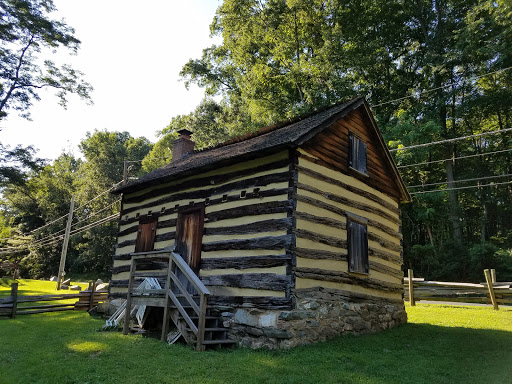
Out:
{"x": 87, "y": 299}
{"x": 490, "y": 292}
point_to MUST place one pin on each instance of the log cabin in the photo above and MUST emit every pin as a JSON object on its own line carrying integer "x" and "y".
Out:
{"x": 292, "y": 232}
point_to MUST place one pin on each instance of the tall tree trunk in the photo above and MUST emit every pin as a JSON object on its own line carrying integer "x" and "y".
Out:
{"x": 483, "y": 228}
{"x": 454, "y": 203}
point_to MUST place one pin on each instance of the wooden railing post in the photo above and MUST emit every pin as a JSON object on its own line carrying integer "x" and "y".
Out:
{"x": 14, "y": 295}
{"x": 201, "y": 322}
{"x": 128, "y": 309}
{"x": 92, "y": 286}
{"x": 411, "y": 288}
{"x": 490, "y": 287}
{"x": 493, "y": 275}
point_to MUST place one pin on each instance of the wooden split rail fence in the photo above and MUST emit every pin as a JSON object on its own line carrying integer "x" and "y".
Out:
{"x": 87, "y": 299}
{"x": 490, "y": 292}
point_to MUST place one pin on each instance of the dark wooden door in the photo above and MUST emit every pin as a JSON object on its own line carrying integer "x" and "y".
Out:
{"x": 189, "y": 235}
{"x": 146, "y": 234}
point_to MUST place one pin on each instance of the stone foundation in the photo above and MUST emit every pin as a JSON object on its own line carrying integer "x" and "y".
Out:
{"x": 314, "y": 320}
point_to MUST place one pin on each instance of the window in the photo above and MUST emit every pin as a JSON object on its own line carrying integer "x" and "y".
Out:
{"x": 357, "y": 247}
{"x": 357, "y": 154}
{"x": 146, "y": 234}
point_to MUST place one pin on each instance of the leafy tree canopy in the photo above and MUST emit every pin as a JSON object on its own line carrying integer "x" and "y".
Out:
{"x": 26, "y": 30}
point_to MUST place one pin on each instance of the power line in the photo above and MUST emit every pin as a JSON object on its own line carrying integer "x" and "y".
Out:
{"x": 441, "y": 87}
{"x": 95, "y": 213}
{"x": 97, "y": 197}
{"x": 451, "y": 140}
{"x": 36, "y": 245}
{"x": 64, "y": 216}
{"x": 459, "y": 181}
{"x": 454, "y": 158}
{"x": 95, "y": 224}
{"x": 468, "y": 187}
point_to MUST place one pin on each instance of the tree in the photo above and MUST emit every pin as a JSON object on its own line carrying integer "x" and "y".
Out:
{"x": 211, "y": 123}
{"x": 432, "y": 70}
{"x": 17, "y": 163}
{"x": 26, "y": 30}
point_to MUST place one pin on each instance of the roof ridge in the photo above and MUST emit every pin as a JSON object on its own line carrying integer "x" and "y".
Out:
{"x": 273, "y": 127}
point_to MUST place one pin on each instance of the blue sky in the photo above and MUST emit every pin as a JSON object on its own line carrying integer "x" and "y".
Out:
{"x": 131, "y": 53}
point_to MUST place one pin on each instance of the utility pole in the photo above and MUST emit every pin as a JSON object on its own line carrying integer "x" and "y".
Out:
{"x": 65, "y": 244}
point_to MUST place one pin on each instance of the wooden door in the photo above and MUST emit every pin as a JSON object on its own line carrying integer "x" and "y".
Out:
{"x": 146, "y": 234}
{"x": 189, "y": 235}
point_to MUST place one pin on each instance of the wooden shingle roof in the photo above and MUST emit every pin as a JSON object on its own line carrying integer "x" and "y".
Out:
{"x": 253, "y": 145}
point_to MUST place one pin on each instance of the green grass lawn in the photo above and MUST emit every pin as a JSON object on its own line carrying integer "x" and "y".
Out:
{"x": 441, "y": 344}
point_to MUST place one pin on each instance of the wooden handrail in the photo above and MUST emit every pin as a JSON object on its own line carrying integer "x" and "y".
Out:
{"x": 189, "y": 273}
{"x": 201, "y": 290}
{"x": 175, "y": 261}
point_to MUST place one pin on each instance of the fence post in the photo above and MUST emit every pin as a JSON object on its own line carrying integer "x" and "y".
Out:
{"x": 411, "y": 288}
{"x": 14, "y": 294}
{"x": 493, "y": 275}
{"x": 91, "y": 295}
{"x": 490, "y": 288}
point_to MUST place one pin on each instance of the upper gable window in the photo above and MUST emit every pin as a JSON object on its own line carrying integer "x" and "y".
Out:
{"x": 357, "y": 154}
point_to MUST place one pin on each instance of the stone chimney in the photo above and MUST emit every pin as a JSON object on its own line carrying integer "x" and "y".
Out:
{"x": 182, "y": 145}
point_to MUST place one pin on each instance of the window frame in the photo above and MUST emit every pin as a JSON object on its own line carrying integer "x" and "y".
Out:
{"x": 362, "y": 264}
{"x": 144, "y": 222}
{"x": 355, "y": 163}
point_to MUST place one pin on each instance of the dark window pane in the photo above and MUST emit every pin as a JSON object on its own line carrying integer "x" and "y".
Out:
{"x": 357, "y": 154}
{"x": 358, "y": 247}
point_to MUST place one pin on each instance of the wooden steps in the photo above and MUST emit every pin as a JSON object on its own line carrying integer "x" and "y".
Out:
{"x": 188, "y": 311}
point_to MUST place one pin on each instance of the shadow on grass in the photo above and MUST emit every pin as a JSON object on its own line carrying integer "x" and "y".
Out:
{"x": 67, "y": 348}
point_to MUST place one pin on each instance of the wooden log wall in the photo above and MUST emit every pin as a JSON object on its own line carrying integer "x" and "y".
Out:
{"x": 325, "y": 197}
{"x": 331, "y": 149}
{"x": 246, "y": 238}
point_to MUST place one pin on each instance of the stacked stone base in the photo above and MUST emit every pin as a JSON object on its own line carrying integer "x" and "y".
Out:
{"x": 314, "y": 320}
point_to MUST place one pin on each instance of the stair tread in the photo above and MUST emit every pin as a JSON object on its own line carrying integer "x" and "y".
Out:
{"x": 210, "y": 329}
{"x": 221, "y": 341}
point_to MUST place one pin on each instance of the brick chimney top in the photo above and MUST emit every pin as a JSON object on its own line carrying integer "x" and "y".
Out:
{"x": 185, "y": 132}
{"x": 182, "y": 145}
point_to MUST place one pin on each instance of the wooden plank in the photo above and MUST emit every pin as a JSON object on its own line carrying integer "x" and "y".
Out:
{"x": 338, "y": 295}
{"x": 201, "y": 323}
{"x": 265, "y": 242}
{"x": 490, "y": 287}
{"x": 345, "y": 277}
{"x": 411, "y": 287}
{"x": 182, "y": 311}
{"x": 251, "y": 210}
{"x": 14, "y": 295}
{"x": 324, "y": 239}
{"x": 246, "y": 262}
{"x": 126, "y": 326}
{"x": 201, "y": 194}
{"x": 208, "y": 181}
{"x": 254, "y": 227}
{"x": 374, "y": 183}
{"x": 342, "y": 212}
{"x": 321, "y": 220}
{"x": 32, "y": 312}
{"x": 261, "y": 302}
{"x": 318, "y": 254}
{"x": 20, "y": 309}
{"x": 29, "y": 299}
{"x": 190, "y": 300}
{"x": 349, "y": 202}
{"x": 270, "y": 281}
